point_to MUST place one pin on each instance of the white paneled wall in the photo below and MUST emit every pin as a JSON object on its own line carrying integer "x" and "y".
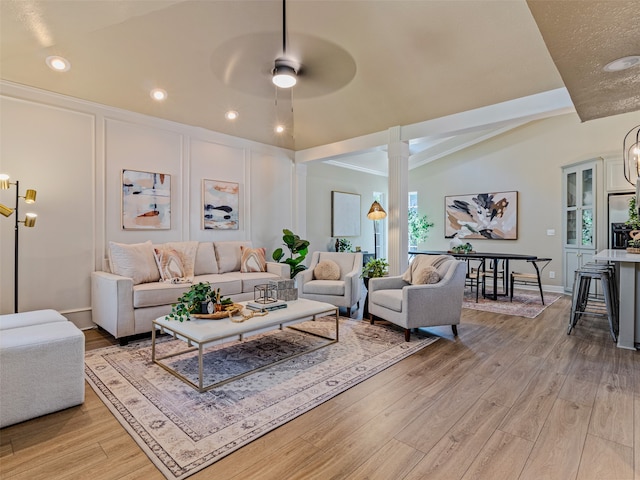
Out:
{"x": 73, "y": 153}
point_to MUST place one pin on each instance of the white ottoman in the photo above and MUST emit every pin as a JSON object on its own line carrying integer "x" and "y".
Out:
{"x": 41, "y": 365}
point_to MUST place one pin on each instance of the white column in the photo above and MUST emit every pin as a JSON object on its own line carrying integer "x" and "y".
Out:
{"x": 397, "y": 221}
{"x": 299, "y": 204}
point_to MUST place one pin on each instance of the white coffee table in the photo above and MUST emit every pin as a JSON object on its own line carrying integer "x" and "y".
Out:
{"x": 199, "y": 333}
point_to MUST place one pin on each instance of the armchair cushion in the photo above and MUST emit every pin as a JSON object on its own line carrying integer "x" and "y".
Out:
{"x": 325, "y": 287}
{"x": 426, "y": 275}
{"x": 421, "y": 261}
{"x": 327, "y": 270}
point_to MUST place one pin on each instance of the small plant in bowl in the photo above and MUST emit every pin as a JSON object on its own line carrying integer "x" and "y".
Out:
{"x": 376, "y": 267}
{"x": 464, "y": 248}
{"x": 196, "y": 300}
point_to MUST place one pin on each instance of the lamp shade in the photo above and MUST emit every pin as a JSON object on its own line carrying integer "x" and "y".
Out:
{"x": 30, "y": 196}
{"x": 4, "y": 181}
{"x": 30, "y": 220}
{"x": 376, "y": 212}
{"x": 6, "y": 211}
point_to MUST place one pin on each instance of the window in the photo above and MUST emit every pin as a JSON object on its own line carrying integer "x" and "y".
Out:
{"x": 413, "y": 212}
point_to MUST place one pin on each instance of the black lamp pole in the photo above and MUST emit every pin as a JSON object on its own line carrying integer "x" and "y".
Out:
{"x": 15, "y": 260}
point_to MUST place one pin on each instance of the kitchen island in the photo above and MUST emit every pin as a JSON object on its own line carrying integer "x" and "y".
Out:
{"x": 628, "y": 268}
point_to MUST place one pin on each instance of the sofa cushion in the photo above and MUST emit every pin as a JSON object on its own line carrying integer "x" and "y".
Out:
{"x": 158, "y": 293}
{"x": 252, "y": 259}
{"x": 391, "y": 299}
{"x": 326, "y": 270}
{"x": 324, "y": 287}
{"x": 135, "y": 261}
{"x": 25, "y": 319}
{"x": 229, "y": 256}
{"x": 205, "y": 259}
{"x": 169, "y": 263}
{"x": 187, "y": 252}
{"x": 228, "y": 283}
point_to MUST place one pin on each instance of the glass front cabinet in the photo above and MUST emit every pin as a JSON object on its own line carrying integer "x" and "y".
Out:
{"x": 579, "y": 217}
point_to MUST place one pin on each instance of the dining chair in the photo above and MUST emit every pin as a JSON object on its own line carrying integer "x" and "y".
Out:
{"x": 475, "y": 274}
{"x": 528, "y": 278}
{"x": 489, "y": 273}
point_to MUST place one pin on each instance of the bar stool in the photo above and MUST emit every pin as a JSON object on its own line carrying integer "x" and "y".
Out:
{"x": 603, "y": 305}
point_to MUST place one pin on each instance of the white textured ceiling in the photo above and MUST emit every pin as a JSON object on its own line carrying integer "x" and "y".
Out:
{"x": 366, "y": 65}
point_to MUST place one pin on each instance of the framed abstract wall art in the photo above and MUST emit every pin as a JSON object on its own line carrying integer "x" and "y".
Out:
{"x": 146, "y": 200}
{"x": 220, "y": 203}
{"x": 345, "y": 214}
{"x": 482, "y": 216}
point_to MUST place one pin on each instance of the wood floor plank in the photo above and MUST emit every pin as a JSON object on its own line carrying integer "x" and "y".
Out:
{"x": 513, "y": 381}
{"x": 605, "y": 460}
{"x": 613, "y": 409}
{"x": 556, "y": 454}
{"x": 452, "y": 455}
{"x": 427, "y": 427}
{"x": 393, "y": 460}
{"x": 502, "y": 458}
{"x": 530, "y": 410}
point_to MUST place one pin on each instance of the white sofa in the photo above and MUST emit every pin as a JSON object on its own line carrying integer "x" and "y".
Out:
{"x": 41, "y": 365}
{"x": 126, "y": 305}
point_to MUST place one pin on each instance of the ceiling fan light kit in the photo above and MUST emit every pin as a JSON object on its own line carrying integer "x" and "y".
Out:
{"x": 284, "y": 76}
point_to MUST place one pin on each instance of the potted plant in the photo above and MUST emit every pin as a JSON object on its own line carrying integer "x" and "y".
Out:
{"x": 464, "y": 248}
{"x": 418, "y": 227}
{"x": 376, "y": 267}
{"x": 296, "y": 246}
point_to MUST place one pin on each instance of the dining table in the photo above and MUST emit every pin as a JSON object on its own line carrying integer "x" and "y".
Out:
{"x": 493, "y": 257}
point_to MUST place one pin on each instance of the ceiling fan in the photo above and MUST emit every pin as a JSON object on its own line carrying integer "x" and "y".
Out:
{"x": 285, "y": 71}
{"x": 252, "y": 63}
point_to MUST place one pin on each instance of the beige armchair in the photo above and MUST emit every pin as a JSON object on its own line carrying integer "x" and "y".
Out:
{"x": 412, "y": 306}
{"x": 342, "y": 292}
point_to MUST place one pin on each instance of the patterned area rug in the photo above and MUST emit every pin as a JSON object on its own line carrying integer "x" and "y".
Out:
{"x": 525, "y": 304}
{"x": 183, "y": 431}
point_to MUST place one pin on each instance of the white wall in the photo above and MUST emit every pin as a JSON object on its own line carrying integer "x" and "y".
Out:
{"x": 73, "y": 153}
{"x": 322, "y": 179}
{"x": 528, "y": 160}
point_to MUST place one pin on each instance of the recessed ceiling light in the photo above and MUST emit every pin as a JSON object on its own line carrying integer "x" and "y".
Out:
{"x": 58, "y": 64}
{"x": 158, "y": 94}
{"x": 622, "y": 63}
{"x": 231, "y": 115}
{"x": 279, "y": 128}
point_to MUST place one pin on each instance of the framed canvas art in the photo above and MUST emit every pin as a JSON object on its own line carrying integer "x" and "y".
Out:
{"x": 482, "y": 216}
{"x": 345, "y": 214}
{"x": 146, "y": 200}
{"x": 220, "y": 202}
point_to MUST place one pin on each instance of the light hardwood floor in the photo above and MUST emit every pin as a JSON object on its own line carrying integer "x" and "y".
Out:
{"x": 510, "y": 398}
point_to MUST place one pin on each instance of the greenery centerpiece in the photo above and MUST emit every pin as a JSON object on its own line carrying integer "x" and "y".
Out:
{"x": 376, "y": 267}
{"x": 195, "y": 300}
{"x": 464, "y": 248}
{"x": 296, "y": 246}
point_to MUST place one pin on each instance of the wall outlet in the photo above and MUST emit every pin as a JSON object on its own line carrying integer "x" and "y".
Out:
{"x": 552, "y": 274}
{"x": 551, "y": 232}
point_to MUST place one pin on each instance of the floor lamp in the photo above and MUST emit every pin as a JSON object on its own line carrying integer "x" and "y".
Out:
{"x": 376, "y": 212}
{"x": 29, "y": 221}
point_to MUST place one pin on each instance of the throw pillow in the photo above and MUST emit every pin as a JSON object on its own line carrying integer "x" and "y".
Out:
{"x": 169, "y": 264}
{"x": 327, "y": 270}
{"x": 253, "y": 259}
{"x": 426, "y": 275}
{"x": 136, "y": 261}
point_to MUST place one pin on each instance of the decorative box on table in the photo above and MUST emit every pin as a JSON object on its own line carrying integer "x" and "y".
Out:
{"x": 285, "y": 289}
